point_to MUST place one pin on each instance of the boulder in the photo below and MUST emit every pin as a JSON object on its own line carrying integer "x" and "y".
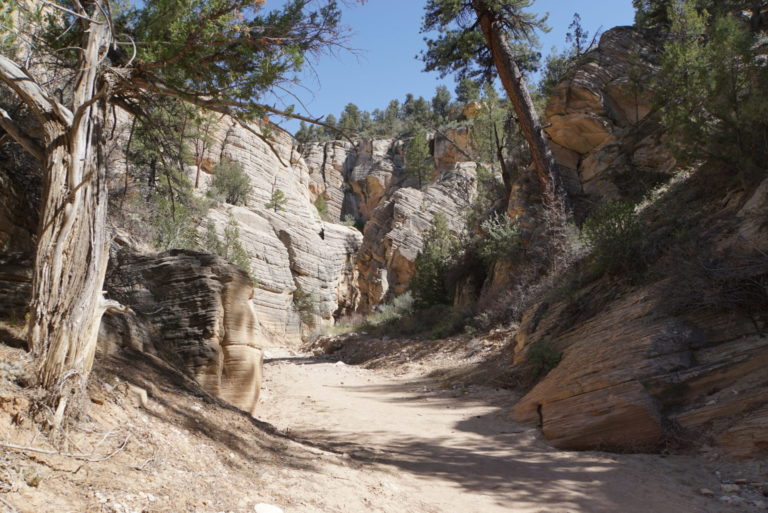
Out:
{"x": 194, "y": 310}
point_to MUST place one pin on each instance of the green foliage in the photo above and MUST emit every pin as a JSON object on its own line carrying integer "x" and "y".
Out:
{"x": 277, "y": 200}
{"x": 460, "y": 47}
{"x": 173, "y": 224}
{"x": 158, "y": 154}
{"x": 488, "y": 133}
{"x": 490, "y": 194}
{"x": 228, "y": 245}
{"x": 441, "y": 102}
{"x": 230, "y": 183}
{"x": 467, "y": 90}
{"x": 226, "y": 47}
{"x": 306, "y": 304}
{"x": 353, "y": 120}
{"x": 543, "y": 357}
{"x": 322, "y": 206}
{"x": 417, "y": 158}
{"x": 712, "y": 91}
{"x": 429, "y": 282}
{"x": 651, "y": 13}
{"x": 500, "y": 238}
{"x": 614, "y": 233}
{"x": 556, "y": 66}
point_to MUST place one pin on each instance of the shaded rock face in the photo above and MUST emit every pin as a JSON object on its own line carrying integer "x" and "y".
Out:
{"x": 598, "y": 121}
{"x": 395, "y": 234}
{"x": 682, "y": 360}
{"x": 194, "y": 310}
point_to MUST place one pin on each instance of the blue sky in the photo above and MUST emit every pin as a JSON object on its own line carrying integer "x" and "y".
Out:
{"x": 387, "y": 39}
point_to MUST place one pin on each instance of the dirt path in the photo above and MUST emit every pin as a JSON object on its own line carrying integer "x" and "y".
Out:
{"x": 455, "y": 450}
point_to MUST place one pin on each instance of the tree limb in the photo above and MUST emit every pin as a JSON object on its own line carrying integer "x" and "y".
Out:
{"x": 21, "y": 137}
{"x": 32, "y": 94}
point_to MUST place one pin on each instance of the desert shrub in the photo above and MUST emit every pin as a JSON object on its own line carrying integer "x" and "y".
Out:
{"x": 306, "y": 304}
{"x": 543, "y": 357}
{"x": 614, "y": 234}
{"x": 429, "y": 283}
{"x": 228, "y": 245}
{"x": 499, "y": 239}
{"x": 277, "y": 200}
{"x": 173, "y": 223}
{"x": 230, "y": 183}
{"x": 322, "y": 207}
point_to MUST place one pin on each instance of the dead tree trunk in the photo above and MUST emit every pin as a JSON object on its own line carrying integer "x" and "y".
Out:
{"x": 72, "y": 252}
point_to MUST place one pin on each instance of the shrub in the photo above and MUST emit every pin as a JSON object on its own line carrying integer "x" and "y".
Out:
{"x": 230, "y": 183}
{"x": 227, "y": 246}
{"x": 615, "y": 235}
{"x": 429, "y": 282}
{"x": 322, "y": 207}
{"x": 277, "y": 200}
{"x": 174, "y": 223}
{"x": 543, "y": 357}
{"x": 500, "y": 238}
{"x": 306, "y": 304}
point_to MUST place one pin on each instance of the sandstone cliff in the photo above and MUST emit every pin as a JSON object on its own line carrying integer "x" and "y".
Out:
{"x": 679, "y": 355}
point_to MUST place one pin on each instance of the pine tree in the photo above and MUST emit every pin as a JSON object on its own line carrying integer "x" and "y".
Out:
{"x": 478, "y": 38}
{"x": 417, "y": 157}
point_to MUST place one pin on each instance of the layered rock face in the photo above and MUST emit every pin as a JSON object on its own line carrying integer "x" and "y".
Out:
{"x": 194, "y": 310}
{"x": 681, "y": 360}
{"x": 395, "y": 234}
{"x": 293, "y": 252}
{"x": 597, "y": 119}
{"x": 374, "y": 189}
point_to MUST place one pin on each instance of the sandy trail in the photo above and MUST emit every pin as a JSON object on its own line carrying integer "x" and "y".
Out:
{"x": 456, "y": 451}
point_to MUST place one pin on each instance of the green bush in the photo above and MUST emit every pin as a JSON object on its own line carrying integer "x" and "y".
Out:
{"x": 614, "y": 234}
{"x": 230, "y": 183}
{"x": 306, "y": 304}
{"x": 228, "y": 245}
{"x": 429, "y": 283}
{"x": 322, "y": 207}
{"x": 543, "y": 357}
{"x": 500, "y": 238}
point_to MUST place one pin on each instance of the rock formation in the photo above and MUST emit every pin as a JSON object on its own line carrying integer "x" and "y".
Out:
{"x": 597, "y": 119}
{"x": 675, "y": 360}
{"x": 193, "y": 309}
{"x": 292, "y": 250}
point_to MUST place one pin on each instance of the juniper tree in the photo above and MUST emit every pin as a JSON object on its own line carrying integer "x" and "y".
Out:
{"x": 220, "y": 55}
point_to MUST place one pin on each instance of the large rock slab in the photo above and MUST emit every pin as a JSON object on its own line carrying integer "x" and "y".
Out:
{"x": 194, "y": 310}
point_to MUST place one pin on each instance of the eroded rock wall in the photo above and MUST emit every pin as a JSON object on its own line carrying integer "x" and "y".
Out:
{"x": 678, "y": 357}
{"x": 194, "y": 310}
{"x": 293, "y": 252}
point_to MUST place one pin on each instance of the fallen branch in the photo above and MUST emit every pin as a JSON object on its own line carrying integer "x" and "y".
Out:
{"x": 84, "y": 457}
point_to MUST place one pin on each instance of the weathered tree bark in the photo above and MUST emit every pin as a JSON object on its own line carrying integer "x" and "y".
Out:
{"x": 72, "y": 252}
{"x": 514, "y": 84}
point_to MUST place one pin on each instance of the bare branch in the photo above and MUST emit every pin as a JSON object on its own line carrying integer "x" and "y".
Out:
{"x": 32, "y": 94}
{"x": 21, "y": 137}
